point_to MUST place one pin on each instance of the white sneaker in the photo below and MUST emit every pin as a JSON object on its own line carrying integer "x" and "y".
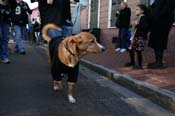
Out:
{"x": 5, "y": 61}
{"x": 118, "y": 49}
{"x": 123, "y": 50}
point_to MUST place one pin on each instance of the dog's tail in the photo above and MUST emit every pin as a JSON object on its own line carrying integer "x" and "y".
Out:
{"x": 45, "y": 31}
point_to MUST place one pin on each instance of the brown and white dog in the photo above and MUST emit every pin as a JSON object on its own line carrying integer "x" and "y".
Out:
{"x": 66, "y": 54}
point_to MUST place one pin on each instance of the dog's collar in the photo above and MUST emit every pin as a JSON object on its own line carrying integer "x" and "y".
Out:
{"x": 67, "y": 48}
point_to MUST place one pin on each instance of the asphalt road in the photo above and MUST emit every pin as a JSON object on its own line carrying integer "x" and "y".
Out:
{"x": 25, "y": 90}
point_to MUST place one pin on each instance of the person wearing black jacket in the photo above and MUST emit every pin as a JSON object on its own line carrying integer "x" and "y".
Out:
{"x": 162, "y": 21}
{"x": 19, "y": 20}
{"x": 67, "y": 19}
{"x": 140, "y": 36}
{"x": 123, "y": 22}
{"x": 56, "y": 12}
{"x": 4, "y": 31}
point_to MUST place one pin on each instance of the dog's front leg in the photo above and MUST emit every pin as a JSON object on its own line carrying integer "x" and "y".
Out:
{"x": 70, "y": 93}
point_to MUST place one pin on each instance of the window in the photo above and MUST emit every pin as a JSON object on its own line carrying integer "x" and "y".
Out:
{"x": 94, "y": 13}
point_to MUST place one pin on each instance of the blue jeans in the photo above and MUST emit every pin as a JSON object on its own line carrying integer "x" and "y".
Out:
{"x": 67, "y": 31}
{"x": 4, "y": 37}
{"x": 123, "y": 38}
{"x": 55, "y": 33}
{"x": 38, "y": 37}
{"x": 19, "y": 32}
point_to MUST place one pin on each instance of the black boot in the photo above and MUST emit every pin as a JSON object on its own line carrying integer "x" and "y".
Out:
{"x": 132, "y": 58}
{"x": 158, "y": 63}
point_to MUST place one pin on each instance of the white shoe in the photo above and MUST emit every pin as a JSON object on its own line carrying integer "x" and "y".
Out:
{"x": 5, "y": 61}
{"x": 71, "y": 99}
{"x": 118, "y": 49}
{"x": 123, "y": 50}
{"x": 55, "y": 88}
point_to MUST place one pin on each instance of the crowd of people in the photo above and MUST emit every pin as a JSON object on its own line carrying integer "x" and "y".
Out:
{"x": 14, "y": 15}
{"x": 155, "y": 21}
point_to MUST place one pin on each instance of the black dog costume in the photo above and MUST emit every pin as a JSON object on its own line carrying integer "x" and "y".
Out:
{"x": 57, "y": 67}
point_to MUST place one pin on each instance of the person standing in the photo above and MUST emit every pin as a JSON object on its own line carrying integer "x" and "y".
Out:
{"x": 4, "y": 31}
{"x": 20, "y": 20}
{"x": 51, "y": 11}
{"x": 56, "y": 12}
{"x": 123, "y": 22}
{"x": 139, "y": 36}
{"x": 67, "y": 21}
{"x": 162, "y": 21}
{"x": 37, "y": 30}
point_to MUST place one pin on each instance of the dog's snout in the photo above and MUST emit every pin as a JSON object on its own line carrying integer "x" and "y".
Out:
{"x": 103, "y": 49}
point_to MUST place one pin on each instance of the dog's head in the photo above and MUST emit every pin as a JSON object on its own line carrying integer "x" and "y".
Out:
{"x": 84, "y": 43}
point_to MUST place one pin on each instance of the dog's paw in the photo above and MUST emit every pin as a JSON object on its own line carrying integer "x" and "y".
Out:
{"x": 71, "y": 99}
{"x": 55, "y": 88}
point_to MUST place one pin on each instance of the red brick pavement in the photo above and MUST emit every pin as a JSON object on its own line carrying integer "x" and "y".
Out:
{"x": 164, "y": 78}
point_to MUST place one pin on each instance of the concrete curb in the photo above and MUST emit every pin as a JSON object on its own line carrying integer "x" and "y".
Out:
{"x": 159, "y": 96}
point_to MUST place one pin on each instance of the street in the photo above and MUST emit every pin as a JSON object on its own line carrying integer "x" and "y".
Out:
{"x": 25, "y": 86}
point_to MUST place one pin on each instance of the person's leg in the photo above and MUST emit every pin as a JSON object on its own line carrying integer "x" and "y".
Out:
{"x": 55, "y": 33}
{"x": 123, "y": 39}
{"x": 4, "y": 43}
{"x": 23, "y": 32}
{"x": 139, "y": 57}
{"x": 67, "y": 31}
{"x": 118, "y": 42}
{"x": 37, "y": 38}
{"x": 18, "y": 38}
{"x": 132, "y": 59}
{"x": 159, "y": 55}
{"x": 159, "y": 59}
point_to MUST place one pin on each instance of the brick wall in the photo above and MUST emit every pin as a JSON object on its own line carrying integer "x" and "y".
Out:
{"x": 108, "y": 33}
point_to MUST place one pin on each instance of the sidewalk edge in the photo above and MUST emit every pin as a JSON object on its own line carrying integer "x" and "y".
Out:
{"x": 159, "y": 96}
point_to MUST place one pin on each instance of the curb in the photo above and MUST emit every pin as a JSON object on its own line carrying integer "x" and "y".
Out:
{"x": 162, "y": 97}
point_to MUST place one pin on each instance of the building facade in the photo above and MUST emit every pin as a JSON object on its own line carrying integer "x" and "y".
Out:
{"x": 101, "y": 14}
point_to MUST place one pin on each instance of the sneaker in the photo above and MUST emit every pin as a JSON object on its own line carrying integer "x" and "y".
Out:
{"x": 123, "y": 50}
{"x": 118, "y": 49}
{"x": 23, "y": 53}
{"x": 5, "y": 61}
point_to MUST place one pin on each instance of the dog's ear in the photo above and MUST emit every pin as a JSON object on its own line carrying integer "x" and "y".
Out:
{"x": 73, "y": 45}
{"x": 77, "y": 39}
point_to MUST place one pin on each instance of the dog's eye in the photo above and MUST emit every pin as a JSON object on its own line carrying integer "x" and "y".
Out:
{"x": 92, "y": 41}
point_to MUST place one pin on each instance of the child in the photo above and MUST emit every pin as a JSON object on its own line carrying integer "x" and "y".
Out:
{"x": 140, "y": 36}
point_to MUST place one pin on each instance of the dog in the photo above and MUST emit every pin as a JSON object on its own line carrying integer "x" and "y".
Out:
{"x": 65, "y": 55}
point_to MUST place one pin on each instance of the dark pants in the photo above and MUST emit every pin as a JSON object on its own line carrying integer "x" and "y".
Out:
{"x": 159, "y": 55}
{"x": 139, "y": 57}
{"x": 123, "y": 38}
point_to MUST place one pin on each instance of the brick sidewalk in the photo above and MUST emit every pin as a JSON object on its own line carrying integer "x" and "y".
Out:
{"x": 163, "y": 78}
